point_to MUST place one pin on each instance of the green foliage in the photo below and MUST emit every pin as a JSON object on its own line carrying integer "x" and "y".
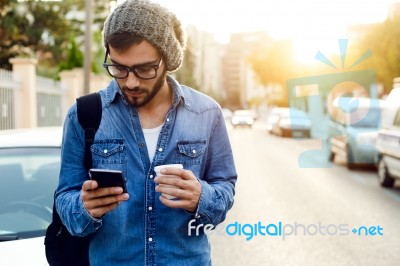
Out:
{"x": 74, "y": 57}
{"x": 44, "y": 30}
{"x": 34, "y": 28}
{"x": 185, "y": 73}
{"x": 99, "y": 52}
{"x": 384, "y": 42}
{"x": 276, "y": 63}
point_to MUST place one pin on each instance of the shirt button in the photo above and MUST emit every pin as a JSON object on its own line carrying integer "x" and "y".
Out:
{"x": 194, "y": 151}
{"x": 151, "y": 176}
{"x": 150, "y": 239}
{"x": 105, "y": 151}
{"x": 167, "y": 119}
{"x": 141, "y": 144}
{"x": 160, "y": 149}
{"x": 150, "y": 208}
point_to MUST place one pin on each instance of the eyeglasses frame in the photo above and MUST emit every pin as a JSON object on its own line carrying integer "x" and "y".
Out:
{"x": 131, "y": 69}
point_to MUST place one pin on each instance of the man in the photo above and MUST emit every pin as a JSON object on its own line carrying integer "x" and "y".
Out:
{"x": 148, "y": 119}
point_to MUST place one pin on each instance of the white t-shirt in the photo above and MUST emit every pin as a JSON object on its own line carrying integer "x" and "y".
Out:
{"x": 151, "y": 137}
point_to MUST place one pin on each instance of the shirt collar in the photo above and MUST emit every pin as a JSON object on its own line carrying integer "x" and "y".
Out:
{"x": 179, "y": 96}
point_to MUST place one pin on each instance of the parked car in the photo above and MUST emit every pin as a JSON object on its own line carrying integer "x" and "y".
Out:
{"x": 393, "y": 96}
{"x": 388, "y": 145}
{"x": 291, "y": 122}
{"x": 242, "y": 118}
{"x": 392, "y": 103}
{"x": 273, "y": 117}
{"x": 353, "y": 129}
{"x": 29, "y": 170}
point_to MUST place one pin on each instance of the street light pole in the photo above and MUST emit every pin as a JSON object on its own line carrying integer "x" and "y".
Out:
{"x": 88, "y": 46}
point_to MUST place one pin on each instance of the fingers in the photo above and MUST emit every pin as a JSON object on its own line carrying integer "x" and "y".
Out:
{"x": 184, "y": 174}
{"x": 97, "y": 207}
{"x": 99, "y": 201}
{"x": 104, "y": 201}
{"x": 99, "y": 212}
{"x": 89, "y": 190}
{"x": 181, "y": 184}
{"x": 173, "y": 180}
{"x": 89, "y": 185}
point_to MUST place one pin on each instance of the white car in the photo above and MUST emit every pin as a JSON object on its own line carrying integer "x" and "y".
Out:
{"x": 242, "y": 118}
{"x": 293, "y": 123}
{"x": 353, "y": 129}
{"x": 273, "y": 118}
{"x": 388, "y": 145}
{"x": 29, "y": 170}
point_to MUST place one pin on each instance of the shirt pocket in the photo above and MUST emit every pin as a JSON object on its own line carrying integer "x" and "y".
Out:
{"x": 108, "y": 152}
{"x": 191, "y": 152}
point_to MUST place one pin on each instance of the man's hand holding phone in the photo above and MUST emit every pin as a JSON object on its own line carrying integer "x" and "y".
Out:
{"x": 103, "y": 192}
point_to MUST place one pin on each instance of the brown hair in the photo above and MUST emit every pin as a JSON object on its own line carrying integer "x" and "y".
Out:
{"x": 122, "y": 41}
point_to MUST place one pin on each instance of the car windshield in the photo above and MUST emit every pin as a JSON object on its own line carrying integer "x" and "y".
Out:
{"x": 243, "y": 113}
{"x": 370, "y": 118}
{"x": 28, "y": 177}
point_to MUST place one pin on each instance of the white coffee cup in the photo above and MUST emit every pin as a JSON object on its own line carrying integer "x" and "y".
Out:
{"x": 158, "y": 168}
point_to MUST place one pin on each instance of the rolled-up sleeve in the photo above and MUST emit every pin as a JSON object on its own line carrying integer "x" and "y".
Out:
{"x": 218, "y": 183}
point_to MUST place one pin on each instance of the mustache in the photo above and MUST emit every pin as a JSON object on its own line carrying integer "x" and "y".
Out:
{"x": 135, "y": 89}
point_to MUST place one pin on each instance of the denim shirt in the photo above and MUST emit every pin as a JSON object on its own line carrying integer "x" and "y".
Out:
{"x": 141, "y": 230}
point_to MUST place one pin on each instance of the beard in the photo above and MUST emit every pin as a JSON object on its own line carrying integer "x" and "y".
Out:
{"x": 148, "y": 93}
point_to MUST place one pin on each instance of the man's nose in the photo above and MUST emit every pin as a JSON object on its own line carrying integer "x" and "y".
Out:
{"x": 132, "y": 81}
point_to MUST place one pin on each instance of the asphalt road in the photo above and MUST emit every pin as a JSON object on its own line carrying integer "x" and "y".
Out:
{"x": 288, "y": 215}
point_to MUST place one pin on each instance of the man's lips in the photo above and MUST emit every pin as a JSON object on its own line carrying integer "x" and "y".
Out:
{"x": 134, "y": 92}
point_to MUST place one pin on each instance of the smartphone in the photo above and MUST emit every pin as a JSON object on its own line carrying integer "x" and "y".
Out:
{"x": 108, "y": 178}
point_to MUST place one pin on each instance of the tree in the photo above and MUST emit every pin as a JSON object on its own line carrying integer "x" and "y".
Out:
{"x": 34, "y": 28}
{"x": 74, "y": 57}
{"x": 384, "y": 42}
{"x": 44, "y": 30}
{"x": 274, "y": 64}
{"x": 185, "y": 73}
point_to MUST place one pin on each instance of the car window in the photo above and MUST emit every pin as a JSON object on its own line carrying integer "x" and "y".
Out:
{"x": 28, "y": 179}
{"x": 396, "y": 122}
{"x": 368, "y": 117}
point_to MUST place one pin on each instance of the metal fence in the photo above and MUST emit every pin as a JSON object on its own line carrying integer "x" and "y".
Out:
{"x": 8, "y": 87}
{"x": 48, "y": 103}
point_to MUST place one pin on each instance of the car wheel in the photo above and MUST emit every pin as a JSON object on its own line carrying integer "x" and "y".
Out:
{"x": 351, "y": 165}
{"x": 385, "y": 180}
{"x": 331, "y": 157}
{"x": 283, "y": 133}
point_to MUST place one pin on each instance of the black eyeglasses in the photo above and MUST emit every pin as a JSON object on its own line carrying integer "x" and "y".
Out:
{"x": 144, "y": 71}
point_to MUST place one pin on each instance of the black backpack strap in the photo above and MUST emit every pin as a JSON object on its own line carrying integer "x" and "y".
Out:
{"x": 62, "y": 248}
{"x": 89, "y": 116}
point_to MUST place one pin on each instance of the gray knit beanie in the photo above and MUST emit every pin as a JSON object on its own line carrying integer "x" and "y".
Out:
{"x": 154, "y": 23}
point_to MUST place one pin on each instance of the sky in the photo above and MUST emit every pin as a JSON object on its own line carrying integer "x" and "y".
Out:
{"x": 311, "y": 24}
